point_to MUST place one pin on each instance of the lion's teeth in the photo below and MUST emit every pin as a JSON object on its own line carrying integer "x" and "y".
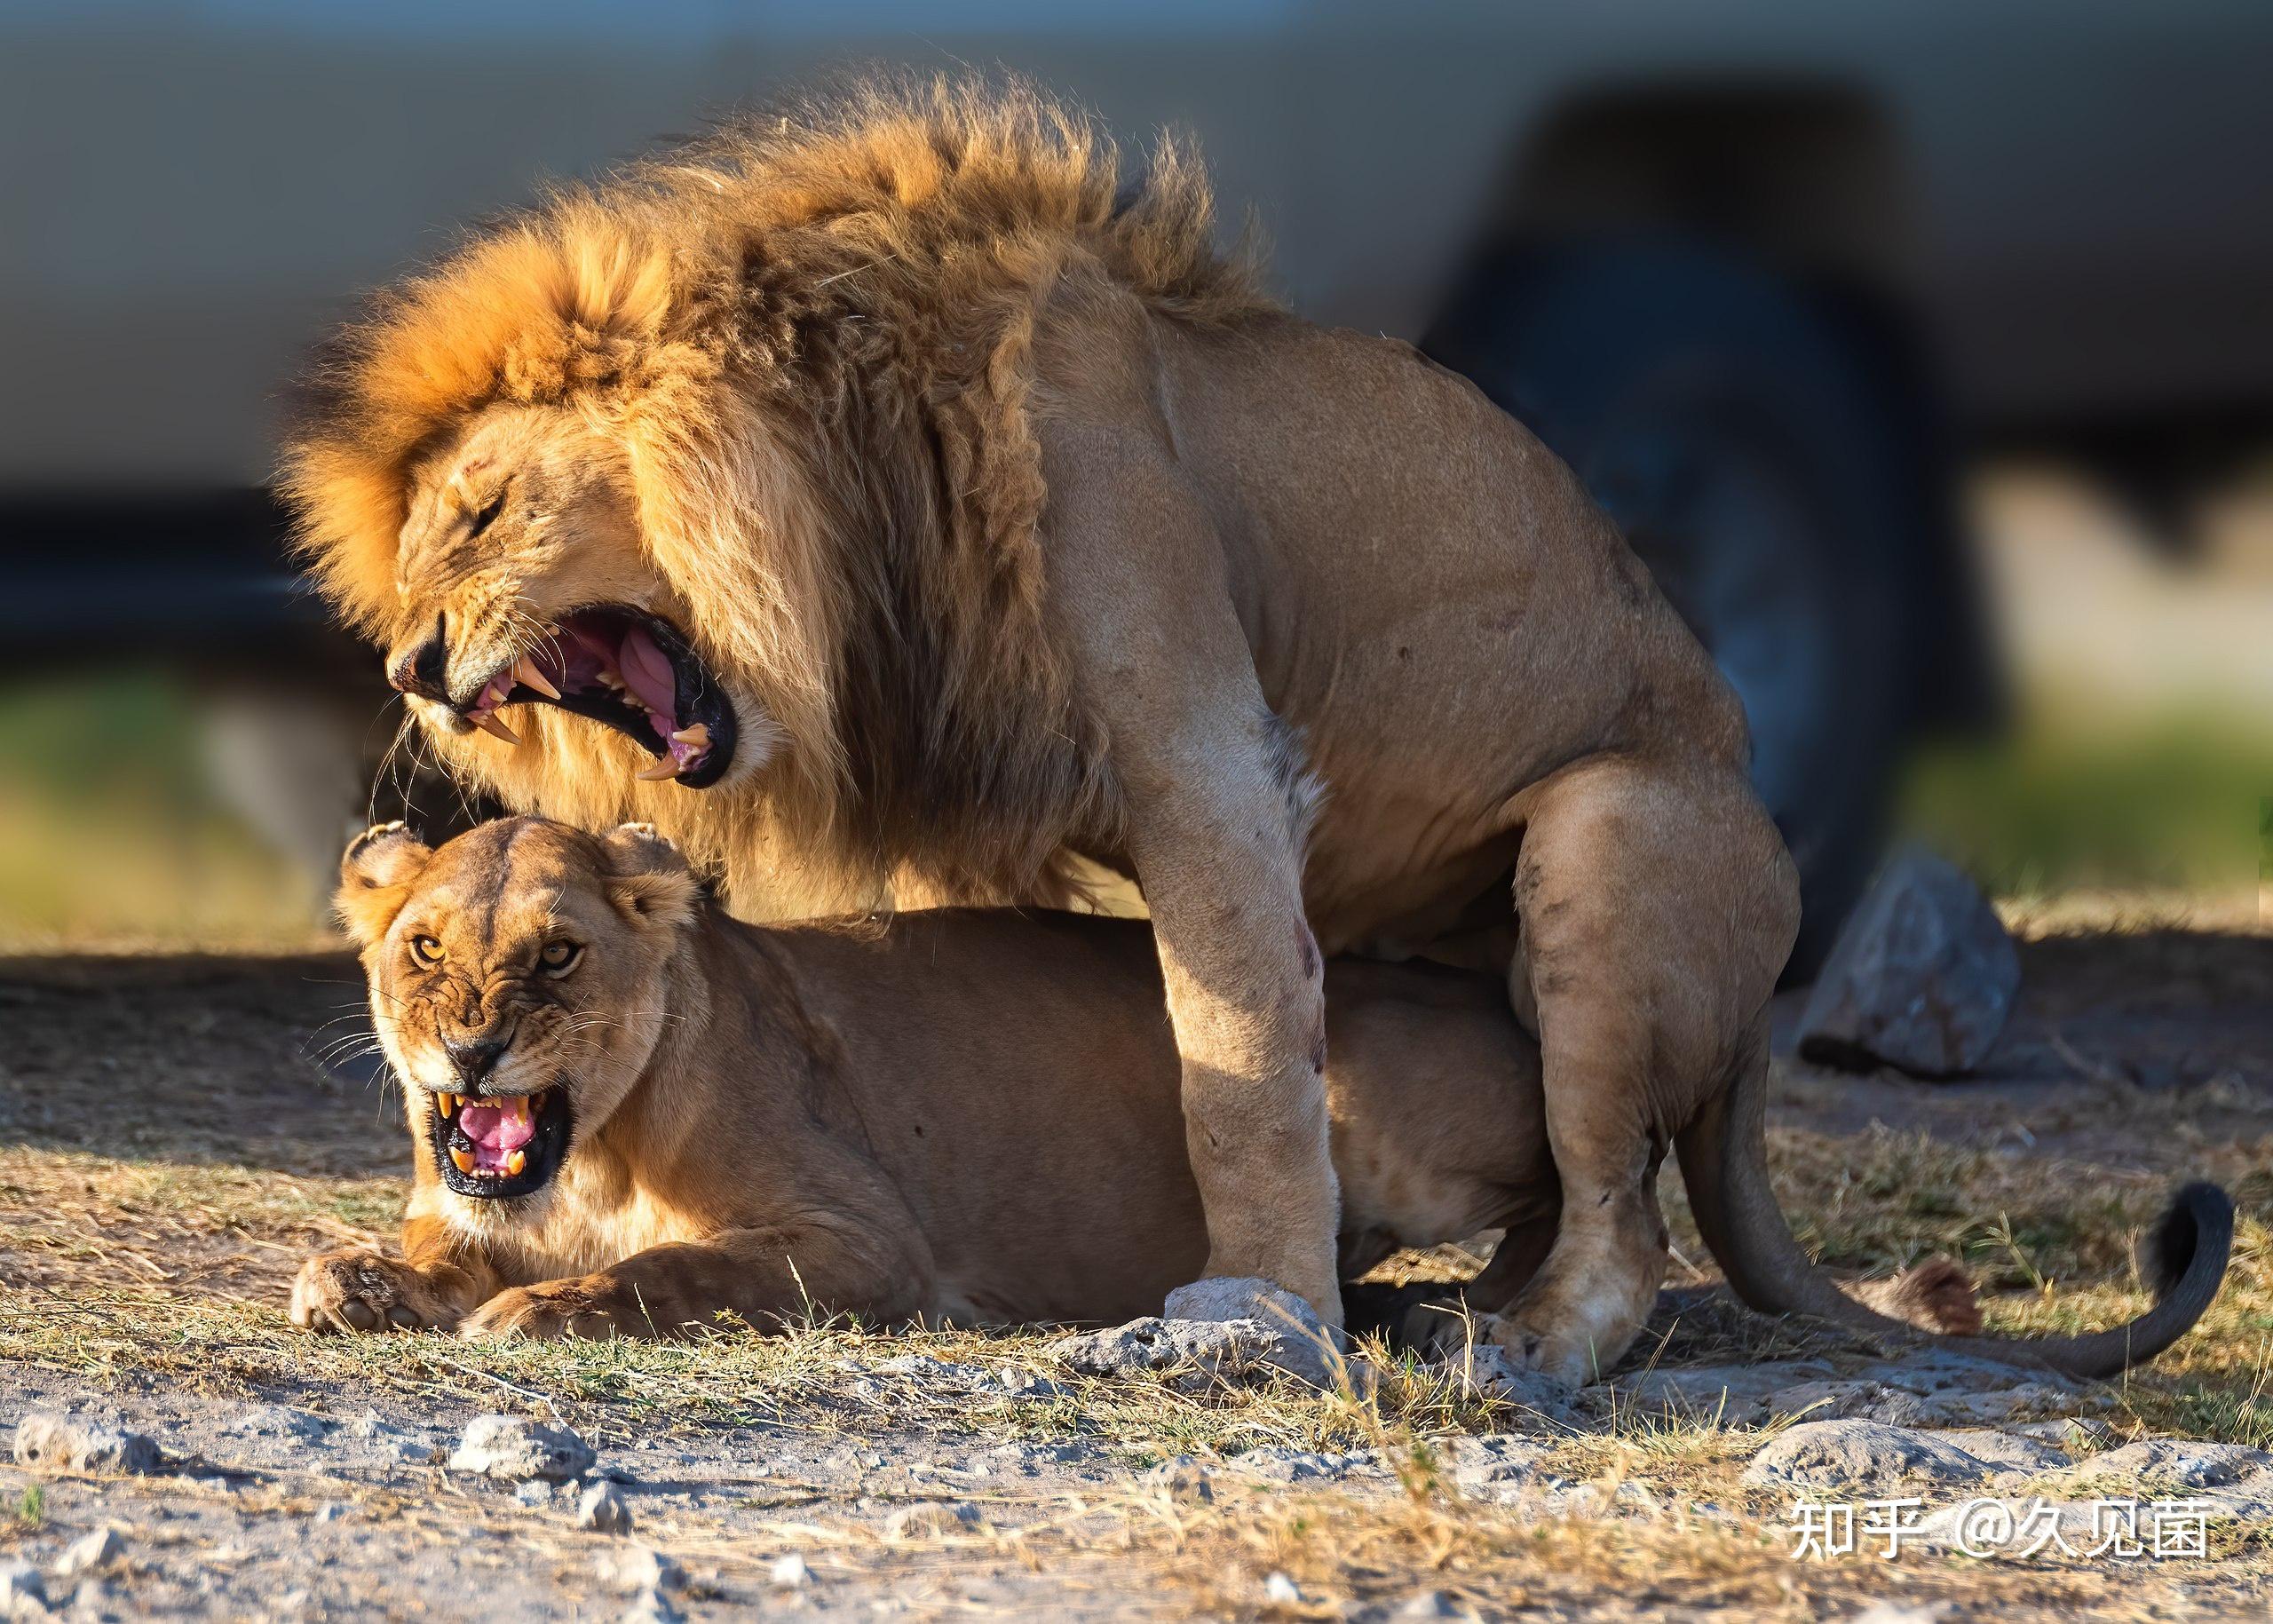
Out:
{"x": 526, "y": 673}
{"x": 515, "y": 1161}
{"x": 463, "y": 1159}
{"x": 491, "y": 725}
{"x": 665, "y": 768}
{"x": 448, "y": 1103}
{"x": 699, "y": 734}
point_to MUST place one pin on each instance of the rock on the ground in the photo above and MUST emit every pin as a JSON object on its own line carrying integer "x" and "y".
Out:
{"x": 1492, "y": 1372}
{"x": 649, "y": 1607}
{"x": 1831, "y": 1454}
{"x": 1192, "y": 1352}
{"x": 932, "y": 1520}
{"x": 1922, "y": 976}
{"x": 1495, "y": 1468}
{"x": 22, "y": 1592}
{"x": 1281, "y": 1591}
{"x": 790, "y": 1572}
{"x": 1301, "y": 1342}
{"x": 2173, "y": 1462}
{"x": 513, "y": 1449}
{"x": 82, "y": 1443}
{"x": 638, "y": 1567}
{"x": 603, "y": 1511}
{"x": 89, "y": 1552}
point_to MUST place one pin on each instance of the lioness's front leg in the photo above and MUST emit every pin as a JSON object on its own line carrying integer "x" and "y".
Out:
{"x": 828, "y": 1266}
{"x": 1216, "y": 807}
{"x": 431, "y": 1287}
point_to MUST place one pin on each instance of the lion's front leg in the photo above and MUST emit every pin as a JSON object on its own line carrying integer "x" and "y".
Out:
{"x": 1215, "y": 805}
{"x": 764, "y": 1277}
{"x": 1221, "y": 869}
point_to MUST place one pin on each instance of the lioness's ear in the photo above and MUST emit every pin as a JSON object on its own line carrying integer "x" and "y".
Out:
{"x": 648, "y": 877}
{"x": 375, "y": 879}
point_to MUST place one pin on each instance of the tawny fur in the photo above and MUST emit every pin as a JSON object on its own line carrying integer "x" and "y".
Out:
{"x": 969, "y": 1115}
{"x": 808, "y": 335}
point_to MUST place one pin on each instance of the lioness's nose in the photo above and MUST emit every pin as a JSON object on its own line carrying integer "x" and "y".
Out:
{"x": 474, "y": 1060}
{"x": 419, "y": 668}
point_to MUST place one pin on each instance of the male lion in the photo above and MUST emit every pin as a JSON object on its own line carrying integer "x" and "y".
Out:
{"x": 631, "y": 1112}
{"x": 881, "y": 494}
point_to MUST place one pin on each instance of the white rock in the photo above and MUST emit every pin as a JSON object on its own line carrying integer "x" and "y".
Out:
{"x": 1922, "y": 976}
{"x": 513, "y": 1447}
{"x": 1299, "y": 1339}
{"x": 603, "y": 1511}
{"x": 91, "y": 1551}
{"x": 638, "y": 1567}
{"x": 1281, "y": 1591}
{"x": 790, "y": 1572}
{"x": 649, "y": 1607}
{"x": 1831, "y": 1454}
{"x": 22, "y": 1591}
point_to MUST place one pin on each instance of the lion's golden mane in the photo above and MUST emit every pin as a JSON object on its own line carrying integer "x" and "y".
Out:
{"x": 811, "y": 333}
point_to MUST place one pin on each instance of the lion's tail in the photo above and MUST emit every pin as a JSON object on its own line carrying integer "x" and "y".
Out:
{"x": 1724, "y": 1162}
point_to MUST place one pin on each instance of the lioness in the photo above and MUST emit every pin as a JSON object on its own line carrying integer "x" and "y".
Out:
{"x": 883, "y": 493}
{"x": 633, "y": 1112}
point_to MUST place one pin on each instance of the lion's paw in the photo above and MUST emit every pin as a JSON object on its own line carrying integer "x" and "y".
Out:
{"x": 359, "y": 1290}
{"x": 546, "y": 1313}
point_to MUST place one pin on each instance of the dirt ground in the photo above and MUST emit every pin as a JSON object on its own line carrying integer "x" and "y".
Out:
{"x": 173, "y": 1141}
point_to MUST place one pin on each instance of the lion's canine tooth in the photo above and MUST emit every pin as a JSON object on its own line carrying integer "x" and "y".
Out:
{"x": 698, "y": 733}
{"x": 526, "y": 673}
{"x": 514, "y": 1163}
{"x": 463, "y": 1159}
{"x": 491, "y": 725}
{"x": 665, "y": 768}
{"x": 446, "y": 1103}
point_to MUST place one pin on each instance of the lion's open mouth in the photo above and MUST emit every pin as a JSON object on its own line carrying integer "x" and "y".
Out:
{"x": 632, "y": 671}
{"x": 497, "y": 1145}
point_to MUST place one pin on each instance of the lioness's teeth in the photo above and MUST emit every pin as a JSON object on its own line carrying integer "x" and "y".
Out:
{"x": 446, "y": 1103}
{"x": 699, "y": 734}
{"x": 515, "y": 1161}
{"x": 665, "y": 768}
{"x": 491, "y": 725}
{"x": 463, "y": 1159}
{"x": 526, "y": 673}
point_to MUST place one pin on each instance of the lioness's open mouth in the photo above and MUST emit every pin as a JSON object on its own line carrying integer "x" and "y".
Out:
{"x": 497, "y": 1145}
{"x": 633, "y": 671}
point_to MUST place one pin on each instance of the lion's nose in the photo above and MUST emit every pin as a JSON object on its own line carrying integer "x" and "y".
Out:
{"x": 419, "y": 668}
{"x": 474, "y": 1060}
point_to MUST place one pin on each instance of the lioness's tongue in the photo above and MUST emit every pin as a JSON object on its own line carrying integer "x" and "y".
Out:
{"x": 496, "y": 1132}
{"x": 648, "y": 673}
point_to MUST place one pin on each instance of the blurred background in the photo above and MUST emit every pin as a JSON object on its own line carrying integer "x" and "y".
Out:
{"x": 1925, "y": 351}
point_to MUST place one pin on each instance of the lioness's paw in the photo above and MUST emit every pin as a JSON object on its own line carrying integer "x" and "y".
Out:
{"x": 546, "y": 1313}
{"x": 362, "y": 1290}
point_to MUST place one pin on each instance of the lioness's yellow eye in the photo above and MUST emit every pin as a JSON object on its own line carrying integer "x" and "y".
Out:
{"x": 425, "y": 949}
{"x": 559, "y": 957}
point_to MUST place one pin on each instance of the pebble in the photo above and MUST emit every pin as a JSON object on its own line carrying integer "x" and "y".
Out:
{"x": 932, "y": 1520}
{"x": 1281, "y": 1591}
{"x": 21, "y": 1589}
{"x": 649, "y": 1607}
{"x": 638, "y": 1568}
{"x": 513, "y": 1447}
{"x": 603, "y": 1511}
{"x": 91, "y": 1551}
{"x": 790, "y": 1572}
{"x": 82, "y": 1443}
{"x": 535, "y": 1491}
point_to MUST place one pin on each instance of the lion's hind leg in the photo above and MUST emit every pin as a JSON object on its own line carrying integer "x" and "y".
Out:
{"x": 1657, "y": 907}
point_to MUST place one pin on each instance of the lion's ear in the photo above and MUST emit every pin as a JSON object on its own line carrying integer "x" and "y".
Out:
{"x": 375, "y": 879}
{"x": 648, "y": 878}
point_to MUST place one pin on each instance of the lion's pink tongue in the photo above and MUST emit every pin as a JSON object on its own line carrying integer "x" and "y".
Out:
{"x": 496, "y": 1133}
{"x": 648, "y": 673}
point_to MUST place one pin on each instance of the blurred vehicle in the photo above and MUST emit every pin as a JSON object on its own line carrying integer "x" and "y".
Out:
{"x": 1755, "y": 269}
